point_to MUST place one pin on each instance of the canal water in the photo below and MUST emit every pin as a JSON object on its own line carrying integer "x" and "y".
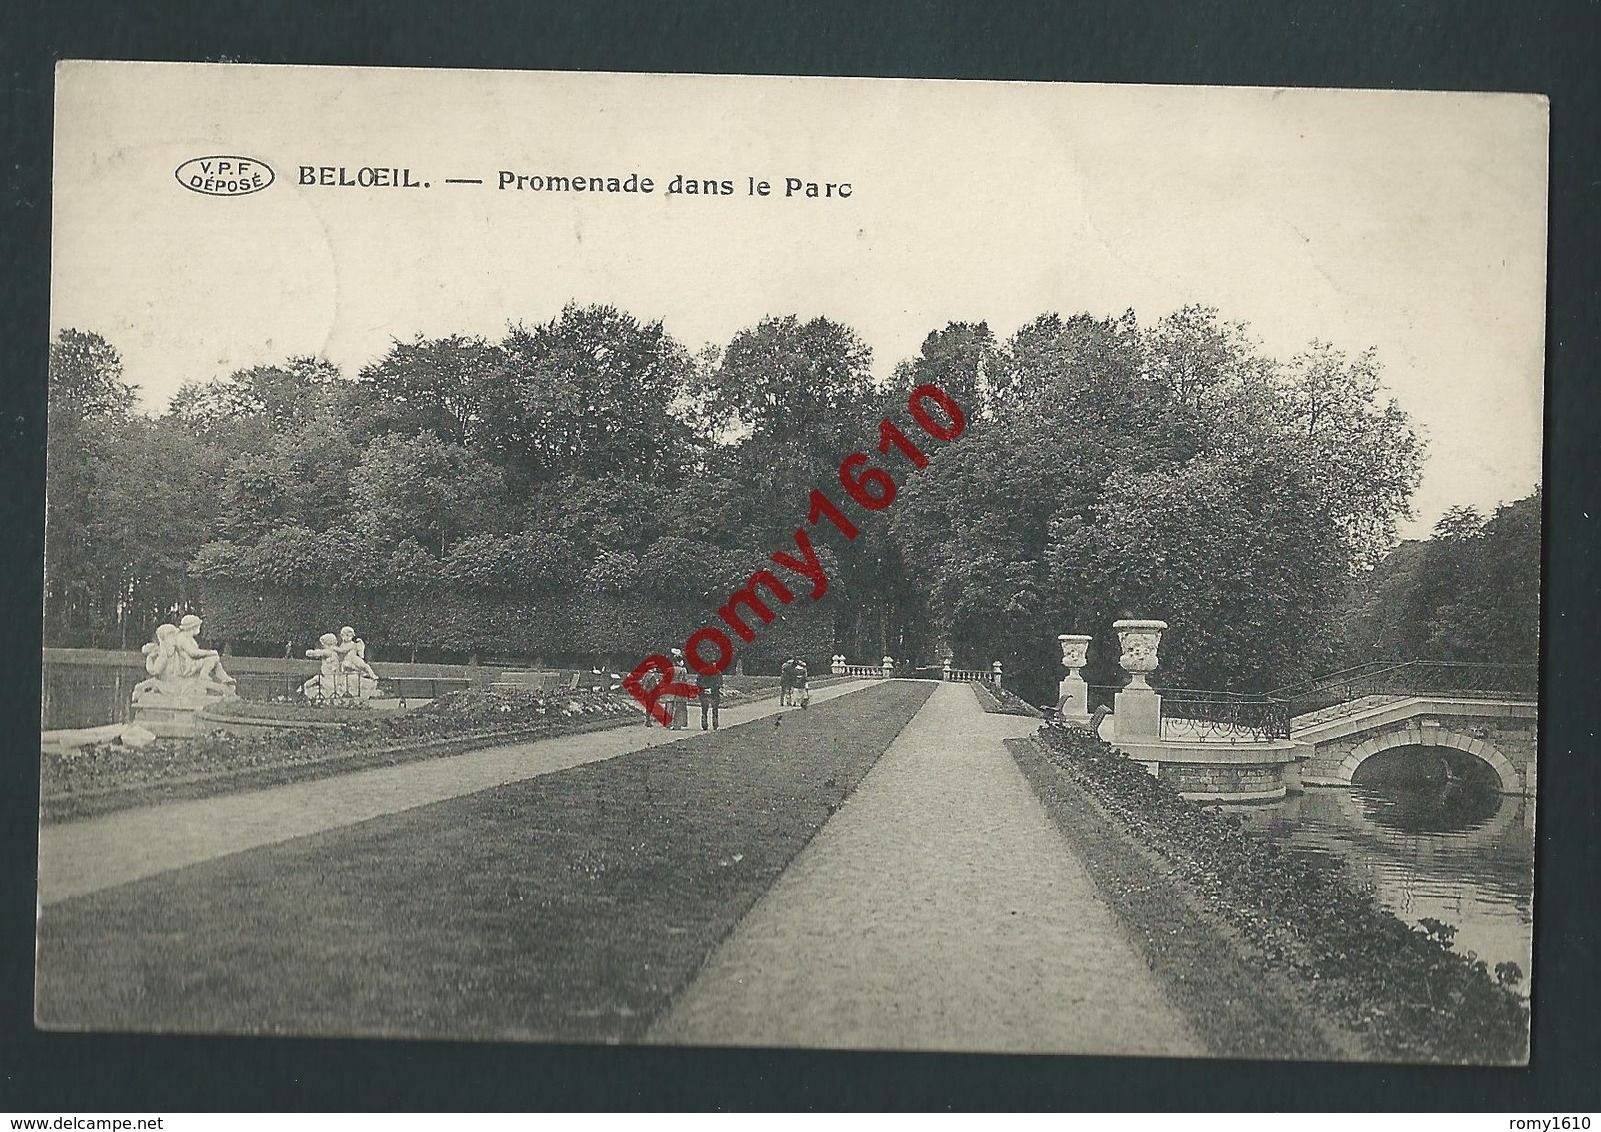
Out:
{"x": 1454, "y": 851}
{"x": 90, "y": 695}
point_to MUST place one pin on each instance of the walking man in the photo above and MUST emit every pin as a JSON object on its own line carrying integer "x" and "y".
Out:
{"x": 786, "y": 681}
{"x": 711, "y": 696}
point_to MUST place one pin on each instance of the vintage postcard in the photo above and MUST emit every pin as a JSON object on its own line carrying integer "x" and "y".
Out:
{"x": 846, "y": 563}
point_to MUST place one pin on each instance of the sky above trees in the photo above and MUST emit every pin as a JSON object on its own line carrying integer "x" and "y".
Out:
{"x": 1410, "y": 223}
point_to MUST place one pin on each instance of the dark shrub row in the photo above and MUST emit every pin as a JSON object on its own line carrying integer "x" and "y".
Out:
{"x": 1003, "y": 701}
{"x": 1403, "y": 988}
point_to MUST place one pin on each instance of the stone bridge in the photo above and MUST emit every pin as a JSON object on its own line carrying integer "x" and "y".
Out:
{"x": 1501, "y": 732}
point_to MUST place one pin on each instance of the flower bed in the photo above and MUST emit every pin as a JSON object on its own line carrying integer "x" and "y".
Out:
{"x": 1402, "y": 989}
{"x": 107, "y": 776}
{"x": 1002, "y": 701}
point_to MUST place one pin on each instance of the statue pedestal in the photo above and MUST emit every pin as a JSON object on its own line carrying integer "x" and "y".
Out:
{"x": 1073, "y": 699}
{"x": 173, "y": 717}
{"x": 1138, "y": 714}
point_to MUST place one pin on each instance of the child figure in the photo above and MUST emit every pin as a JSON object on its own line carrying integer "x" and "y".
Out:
{"x": 159, "y": 661}
{"x": 325, "y": 685}
{"x": 357, "y": 676}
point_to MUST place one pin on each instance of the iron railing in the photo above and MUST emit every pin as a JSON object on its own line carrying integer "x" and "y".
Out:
{"x": 1101, "y": 695}
{"x": 1349, "y": 689}
{"x": 1208, "y": 716}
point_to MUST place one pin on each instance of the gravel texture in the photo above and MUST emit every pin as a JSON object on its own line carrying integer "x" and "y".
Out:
{"x": 940, "y": 909}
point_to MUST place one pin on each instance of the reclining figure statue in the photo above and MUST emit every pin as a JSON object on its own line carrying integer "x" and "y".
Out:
{"x": 179, "y": 667}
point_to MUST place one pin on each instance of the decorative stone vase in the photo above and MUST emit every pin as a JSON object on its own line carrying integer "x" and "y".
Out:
{"x": 1072, "y": 693}
{"x": 1075, "y": 651}
{"x": 889, "y": 667}
{"x": 838, "y": 665}
{"x": 1140, "y": 640}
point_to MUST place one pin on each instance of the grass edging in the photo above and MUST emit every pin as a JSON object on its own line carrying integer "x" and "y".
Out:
{"x": 1003, "y": 702}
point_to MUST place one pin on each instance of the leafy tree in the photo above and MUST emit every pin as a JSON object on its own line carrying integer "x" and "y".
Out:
{"x": 959, "y": 359}
{"x": 591, "y": 393}
{"x": 300, "y": 476}
{"x": 245, "y": 411}
{"x": 426, "y": 490}
{"x": 785, "y": 381}
{"x": 1175, "y": 471}
{"x": 1231, "y": 549}
{"x": 85, "y": 383}
{"x": 1469, "y": 593}
{"x": 1361, "y": 446}
{"x": 89, "y": 405}
{"x": 447, "y": 386}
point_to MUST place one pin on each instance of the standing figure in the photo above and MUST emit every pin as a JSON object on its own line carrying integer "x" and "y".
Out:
{"x": 680, "y": 703}
{"x": 711, "y": 697}
{"x": 801, "y": 693}
{"x": 786, "y": 681}
{"x": 356, "y": 677}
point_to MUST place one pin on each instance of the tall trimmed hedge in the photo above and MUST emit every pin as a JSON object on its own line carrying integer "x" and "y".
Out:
{"x": 572, "y": 625}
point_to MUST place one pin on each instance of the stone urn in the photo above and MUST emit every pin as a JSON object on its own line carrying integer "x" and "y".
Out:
{"x": 1073, "y": 694}
{"x": 837, "y": 667}
{"x": 1075, "y": 651}
{"x": 1140, "y": 640}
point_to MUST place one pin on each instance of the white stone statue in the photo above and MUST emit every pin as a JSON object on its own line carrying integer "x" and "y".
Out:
{"x": 344, "y": 673}
{"x": 324, "y": 685}
{"x": 179, "y": 668}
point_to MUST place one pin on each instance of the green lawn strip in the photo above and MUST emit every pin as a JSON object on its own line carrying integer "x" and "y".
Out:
{"x": 571, "y": 906}
{"x": 1238, "y": 1007}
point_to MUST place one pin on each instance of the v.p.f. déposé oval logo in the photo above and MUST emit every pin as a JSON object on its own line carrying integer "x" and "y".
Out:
{"x": 224, "y": 176}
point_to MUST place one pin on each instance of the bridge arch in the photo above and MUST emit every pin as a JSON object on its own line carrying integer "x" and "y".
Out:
{"x": 1505, "y": 772}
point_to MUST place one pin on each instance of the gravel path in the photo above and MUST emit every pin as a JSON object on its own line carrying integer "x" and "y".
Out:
{"x": 939, "y": 909}
{"x": 85, "y": 856}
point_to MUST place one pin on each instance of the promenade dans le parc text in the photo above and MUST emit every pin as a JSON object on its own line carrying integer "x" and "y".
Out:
{"x": 678, "y": 186}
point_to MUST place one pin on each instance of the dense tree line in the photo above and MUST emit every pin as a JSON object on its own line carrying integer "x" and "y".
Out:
{"x": 586, "y": 483}
{"x": 1471, "y": 593}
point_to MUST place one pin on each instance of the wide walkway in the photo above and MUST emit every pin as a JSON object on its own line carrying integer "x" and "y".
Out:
{"x": 85, "y": 856}
{"x": 939, "y": 909}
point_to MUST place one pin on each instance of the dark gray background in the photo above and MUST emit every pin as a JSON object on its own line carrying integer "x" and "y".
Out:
{"x": 1548, "y": 48}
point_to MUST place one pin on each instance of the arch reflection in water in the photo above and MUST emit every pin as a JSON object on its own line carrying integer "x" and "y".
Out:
{"x": 1443, "y": 847}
